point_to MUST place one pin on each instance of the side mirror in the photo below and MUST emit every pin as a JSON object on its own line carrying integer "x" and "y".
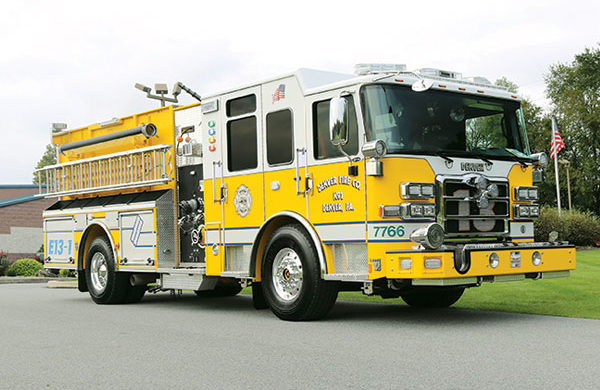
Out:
{"x": 338, "y": 121}
{"x": 540, "y": 159}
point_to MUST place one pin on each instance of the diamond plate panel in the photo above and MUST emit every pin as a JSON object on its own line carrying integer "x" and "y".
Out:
{"x": 166, "y": 228}
{"x": 350, "y": 259}
{"x": 238, "y": 258}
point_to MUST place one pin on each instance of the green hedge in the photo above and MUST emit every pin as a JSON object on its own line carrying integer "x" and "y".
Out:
{"x": 67, "y": 273}
{"x": 579, "y": 228}
{"x": 24, "y": 267}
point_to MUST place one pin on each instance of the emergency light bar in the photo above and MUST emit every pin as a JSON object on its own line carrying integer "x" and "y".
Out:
{"x": 365, "y": 69}
{"x": 445, "y": 74}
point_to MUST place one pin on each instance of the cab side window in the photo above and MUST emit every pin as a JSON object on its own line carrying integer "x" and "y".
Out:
{"x": 242, "y": 140}
{"x": 280, "y": 141}
{"x": 322, "y": 145}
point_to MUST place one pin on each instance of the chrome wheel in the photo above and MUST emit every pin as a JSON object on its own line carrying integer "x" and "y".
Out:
{"x": 287, "y": 274}
{"x": 99, "y": 272}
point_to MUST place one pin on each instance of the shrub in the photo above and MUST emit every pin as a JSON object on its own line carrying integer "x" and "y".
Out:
{"x": 577, "y": 227}
{"x": 67, "y": 273}
{"x": 24, "y": 267}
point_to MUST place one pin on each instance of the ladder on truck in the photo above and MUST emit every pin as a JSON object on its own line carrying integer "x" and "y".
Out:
{"x": 133, "y": 168}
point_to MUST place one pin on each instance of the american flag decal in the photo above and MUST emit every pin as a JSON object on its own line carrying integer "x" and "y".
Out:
{"x": 279, "y": 93}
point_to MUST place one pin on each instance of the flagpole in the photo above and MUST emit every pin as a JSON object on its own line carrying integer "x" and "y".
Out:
{"x": 557, "y": 186}
{"x": 556, "y": 164}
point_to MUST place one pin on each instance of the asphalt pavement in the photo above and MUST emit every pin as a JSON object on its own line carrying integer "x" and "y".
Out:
{"x": 58, "y": 338}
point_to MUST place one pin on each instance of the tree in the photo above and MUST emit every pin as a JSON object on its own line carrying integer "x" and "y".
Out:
{"x": 504, "y": 82}
{"x": 538, "y": 125}
{"x": 48, "y": 158}
{"x": 574, "y": 90}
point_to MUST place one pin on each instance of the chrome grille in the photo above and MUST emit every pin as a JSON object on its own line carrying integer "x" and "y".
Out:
{"x": 461, "y": 215}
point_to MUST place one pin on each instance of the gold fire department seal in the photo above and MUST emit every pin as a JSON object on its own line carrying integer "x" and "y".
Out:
{"x": 242, "y": 200}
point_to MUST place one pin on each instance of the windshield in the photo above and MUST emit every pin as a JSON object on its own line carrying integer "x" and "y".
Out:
{"x": 443, "y": 122}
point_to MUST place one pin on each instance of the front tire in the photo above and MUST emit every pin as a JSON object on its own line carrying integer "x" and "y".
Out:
{"x": 432, "y": 297}
{"x": 105, "y": 284}
{"x": 291, "y": 277}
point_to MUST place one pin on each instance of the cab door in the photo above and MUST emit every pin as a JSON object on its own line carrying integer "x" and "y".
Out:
{"x": 243, "y": 200}
{"x": 337, "y": 198}
{"x": 284, "y": 143}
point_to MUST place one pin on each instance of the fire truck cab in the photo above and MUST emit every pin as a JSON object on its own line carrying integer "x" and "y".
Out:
{"x": 411, "y": 184}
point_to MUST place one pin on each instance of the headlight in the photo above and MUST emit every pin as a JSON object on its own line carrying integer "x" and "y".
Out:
{"x": 494, "y": 260}
{"x": 417, "y": 190}
{"x": 521, "y": 211}
{"x": 526, "y": 193}
{"x": 417, "y": 210}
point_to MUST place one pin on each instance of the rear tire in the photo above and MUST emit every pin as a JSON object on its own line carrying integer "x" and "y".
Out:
{"x": 432, "y": 297}
{"x": 291, "y": 277}
{"x": 105, "y": 284}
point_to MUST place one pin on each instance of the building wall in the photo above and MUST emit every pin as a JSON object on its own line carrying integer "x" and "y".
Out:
{"x": 21, "y": 240}
{"x": 7, "y": 193}
{"x": 21, "y": 227}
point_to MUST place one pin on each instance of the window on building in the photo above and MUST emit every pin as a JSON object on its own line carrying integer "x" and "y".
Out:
{"x": 322, "y": 144}
{"x": 280, "y": 142}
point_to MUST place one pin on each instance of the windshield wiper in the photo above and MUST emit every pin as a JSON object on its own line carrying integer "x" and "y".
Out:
{"x": 521, "y": 160}
{"x": 443, "y": 155}
{"x": 485, "y": 160}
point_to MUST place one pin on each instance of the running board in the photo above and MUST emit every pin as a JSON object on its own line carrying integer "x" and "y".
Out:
{"x": 180, "y": 281}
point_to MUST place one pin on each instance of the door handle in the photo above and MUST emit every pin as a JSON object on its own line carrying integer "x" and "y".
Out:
{"x": 299, "y": 152}
{"x": 223, "y": 190}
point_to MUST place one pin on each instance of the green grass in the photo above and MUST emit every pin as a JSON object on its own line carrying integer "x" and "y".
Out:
{"x": 575, "y": 296}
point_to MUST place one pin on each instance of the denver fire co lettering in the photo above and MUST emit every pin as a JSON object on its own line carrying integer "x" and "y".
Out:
{"x": 341, "y": 180}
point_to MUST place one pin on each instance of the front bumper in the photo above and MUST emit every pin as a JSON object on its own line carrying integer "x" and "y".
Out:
{"x": 515, "y": 263}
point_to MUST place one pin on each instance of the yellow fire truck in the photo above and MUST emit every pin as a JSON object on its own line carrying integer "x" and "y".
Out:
{"x": 412, "y": 184}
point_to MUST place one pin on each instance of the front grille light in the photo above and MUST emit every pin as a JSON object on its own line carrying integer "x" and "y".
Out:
{"x": 526, "y": 193}
{"x": 433, "y": 263}
{"x": 536, "y": 258}
{"x": 406, "y": 263}
{"x": 526, "y": 211}
{"x": 494, "y": 260}
{"x": 417, "y": 190}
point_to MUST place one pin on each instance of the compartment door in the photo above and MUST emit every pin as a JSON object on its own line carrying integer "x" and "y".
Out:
{"x": 59, "y": 242}
{"x": 138, "y": 238}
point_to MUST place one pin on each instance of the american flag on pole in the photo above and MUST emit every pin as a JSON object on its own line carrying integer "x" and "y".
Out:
{"x": 557, "y": 142}
{"x": 279, "y": 93}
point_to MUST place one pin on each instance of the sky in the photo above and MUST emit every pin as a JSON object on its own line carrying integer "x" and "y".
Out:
{"x": 77, "y": 61}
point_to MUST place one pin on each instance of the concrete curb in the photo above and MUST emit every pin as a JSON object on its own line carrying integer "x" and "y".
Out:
{"x": 62, "y": 283}
{"x": 28, "y": 280}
